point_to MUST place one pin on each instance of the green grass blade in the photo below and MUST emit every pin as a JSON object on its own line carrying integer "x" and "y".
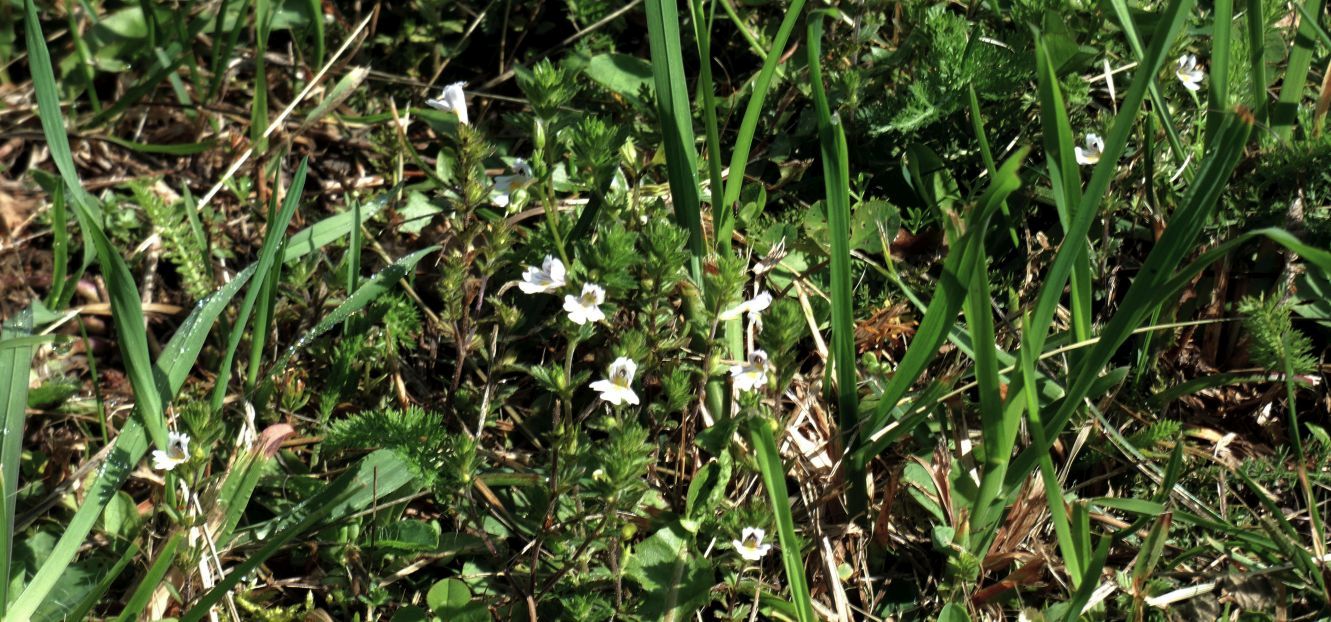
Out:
{"x": 987, "y": 154}
{"x": 1286, "y": 111}
{"x": 317, "y": 31}
{"x": 676, "y": 119}
{"x": 331, "y": 229}
{"x": 1222, "y": 27}
{"x": 672, "y": 107}
{"x": 1315, "y": 29}
{"x": 774, "y": 479}
{"x": 1257, "y": 58}
{"x": 999, "y": 426}
{"x": 1143, "y": 296}
{"x": 1070, "y": 253}
{"x": 263, "y": 323}
{"x": 125, "y": 303}
{"x": 166, "y": 556}
{"x": 702, "y": 33}
{"x": 345, "y": 87}
{"x": 15, "y": 364}
{"x": 1158, "y": 103}
{"x": 126, "y": 307}
{"x": 739, "y": 157}
{"x": 224, "y": 42}
{"x": 376, "y": 476}
{"x": 1062, "y": 166}
{"x": 948, "y": 296}
{"x": 1088, "y": 579}
{"x": 272, "y": 242}
{"x": 836, "y": 182}
{"x": 48, "y": 107}
{"x": 1053, "y": 489}
{"x": 174, "y": 364}
{"x": 128, "y": 554}
{"x": 367, "y": 293}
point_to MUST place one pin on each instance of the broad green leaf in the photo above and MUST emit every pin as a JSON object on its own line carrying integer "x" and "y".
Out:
{"x": 627, "y": 76}
{"x": 674, "y": 577}
{"x": 450, "y": 599}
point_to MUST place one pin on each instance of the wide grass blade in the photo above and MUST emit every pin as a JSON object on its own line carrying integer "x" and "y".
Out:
{"x": 1256, "y": 31}
{"x": 962, "y": 258}
{"x": 676, "y": 120}
{"x": 672, "y": 108}
{"x": 126, "y": 305}
{"x": 1062, "y": 167}
{"x": 774, "y": 479}
{"x": 166, "y": 556}
{"x": 376, "y": 476}
{"x": 333, "y": 228}
{"x": 272, "y": 241}
{"x": 15, "y": 365}
{"x": 987, "y": 154}
{"x": 836, "y": 182}
{"x": 1053, "y": 489}
{"x": 1222, "y": 27}
{"x": 1143, "y": 296}
{"x": 999, "y": 427}
{"x": 174, "y": 364}
{"x": 702, "y": 33}
{"x": 1158, "y": 103}
{"x": 1071, "y": 251}
{"x": 367, "y": 293}
{"x": 1286, "y": 111}
{"x": 739, "y": 157}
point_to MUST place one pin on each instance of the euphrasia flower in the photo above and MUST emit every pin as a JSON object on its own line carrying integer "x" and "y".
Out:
{"x": 751, "y": 375}
{"x": 753, "y": 307}
{"x": 585, "y": 307}
{"x": 453, "y": 100}
{"x": 176, "y": 452}
{"x": 548, "y": 278}
{"x": 750, "y": 545}
{"x": 617, "y": 389}
{"x": 1188, "y": 73}
{"x": 505, "y": 185}
{"x": 1091, "y": 154}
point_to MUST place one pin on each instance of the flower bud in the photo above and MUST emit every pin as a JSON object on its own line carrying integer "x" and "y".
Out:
{"x": 538, "y": 134}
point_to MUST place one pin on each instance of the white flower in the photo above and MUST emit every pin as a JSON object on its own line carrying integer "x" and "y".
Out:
{"x": 548, "y": 278}
{"x": 585, "y": 307}
{"x": 1030, "y": 614}
{"x": 1094, "y": 147}
{"x": 505, "y": 185}
{"x": 617, "y": 388}
{"x": 750, "y": 545}
{"x": 752, "y": 375}
{"x": 1188, "y": 73}
{"x": 753, "y": 307}
{"x": 453, "y": 100}
{"x": 177, "y": 452}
